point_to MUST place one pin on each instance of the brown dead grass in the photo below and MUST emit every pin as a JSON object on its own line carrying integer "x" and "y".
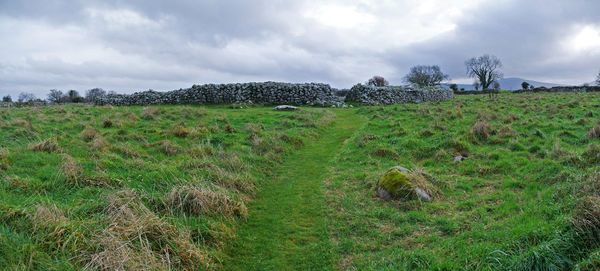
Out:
{"x": 137, "y": 239}
{"x": 167, "y": 147}
{"x": 47, "y": 214}
{"x": 587, "y": 220}
{"x": 194, "y": 200}
{"x": 506, "y": 132}
{"x": 49, "y": 145}
{"x": 99, "y": 143}
{"x": 179, "y": 130}
{"x": 4, "y": 158}
{"x": 149, "y": 113}
{"x": 481, "y": 129}
{"x": 71, "y": 170}
{"x": 385, "y": 153}
{"x": 89, "y": 133}
{"x": 23, "y": 123}
{"x": 594, "y": 132}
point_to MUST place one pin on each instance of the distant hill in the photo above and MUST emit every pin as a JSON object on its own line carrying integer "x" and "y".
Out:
{"x": 511, "y": 83}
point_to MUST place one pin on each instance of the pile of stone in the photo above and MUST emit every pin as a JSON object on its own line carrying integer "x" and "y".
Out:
{"x": 396, "y": 94}
{"x": 266, "y": 92}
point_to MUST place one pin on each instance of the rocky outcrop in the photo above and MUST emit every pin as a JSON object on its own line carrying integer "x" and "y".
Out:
{"x": 267, "y": 92}
{"x": 396, "y": 94}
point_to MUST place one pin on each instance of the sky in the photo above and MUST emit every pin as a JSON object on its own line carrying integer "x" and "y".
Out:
{"x": 137, "y": 45}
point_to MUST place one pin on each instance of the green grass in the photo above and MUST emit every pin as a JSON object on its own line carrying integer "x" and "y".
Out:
{"x": 133, "y": 187}
{"x": 188, "y": 187}
{"x": 287, "y": 228}
{"x": 508, "y": 206}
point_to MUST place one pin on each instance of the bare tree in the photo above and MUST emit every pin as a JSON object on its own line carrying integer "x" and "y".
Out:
{"x": 485, "y": 68}
{"x": 94, "y": 95}
{"x": 426, "y": 76}
{"x": 377, "y": 81}
{"x": 56, "y": 96}
{"x": 25, "y": 97}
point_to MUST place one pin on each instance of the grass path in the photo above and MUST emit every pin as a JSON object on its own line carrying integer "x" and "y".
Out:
{"x": 287, "y": 228}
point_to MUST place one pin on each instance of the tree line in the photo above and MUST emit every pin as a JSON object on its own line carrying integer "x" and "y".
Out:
{"x": 484, "y": 69}
{"x": 58, "y": 97}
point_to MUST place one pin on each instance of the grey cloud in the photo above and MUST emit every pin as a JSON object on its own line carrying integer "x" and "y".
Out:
{"x": 233, "y": 41}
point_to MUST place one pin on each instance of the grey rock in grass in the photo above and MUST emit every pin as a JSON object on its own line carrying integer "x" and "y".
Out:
{"x": 285, "y": 108}
{"x": 459, "y": 158}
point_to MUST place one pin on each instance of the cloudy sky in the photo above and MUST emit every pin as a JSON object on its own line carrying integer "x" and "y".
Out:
{"x": 163, "y": 45}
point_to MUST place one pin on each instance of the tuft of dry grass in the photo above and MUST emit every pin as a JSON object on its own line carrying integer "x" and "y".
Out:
{"x": 230, "y": 129}
{"x": 23, "y": 123}
{"x": 89, "y": 133}
{"x": 510, "y": 118}
{"x": 594, "y": 132}
{"x": 385, "y": 153}
{"x": 107, "y": 123}
{"x": 71, "y": 170}
{"x": 254, "y": 128}
{"x": 506, "y": 132}
{"x": 194, "y": 200}
{"x": 587, "y": 220}
{"x": 481, "y": 129}
{"x": 167, "y": 147}
{"x": 591, "y": 155}
{"x": 4, "y": 158}
{"x": 179, "y": 130}
{"x": 137, "y": 239}
{"x": 99, "y": 143}
{"x": 49, "y": 145}
{"x": 459, "y": 113}
{"x": 149, "y": 113}
{"x": 47, "y": 214}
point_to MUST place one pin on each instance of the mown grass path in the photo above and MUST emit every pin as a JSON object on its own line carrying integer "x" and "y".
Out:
{"x": 287, "y": 227}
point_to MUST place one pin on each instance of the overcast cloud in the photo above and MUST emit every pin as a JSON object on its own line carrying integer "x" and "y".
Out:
{"x": 163, "y": 45}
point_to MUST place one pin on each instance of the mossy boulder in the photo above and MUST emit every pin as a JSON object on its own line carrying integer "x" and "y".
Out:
{"x": 399, "y": 184}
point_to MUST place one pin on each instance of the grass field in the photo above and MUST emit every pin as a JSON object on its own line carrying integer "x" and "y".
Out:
{"x": 513, "y": 204}
{"x": 187, "y": 187}
{"x": 132, "y": 187}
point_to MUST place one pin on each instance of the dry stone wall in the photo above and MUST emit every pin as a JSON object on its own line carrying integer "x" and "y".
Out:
{"x": 267, "y": 92}
{"x": 396, "y": 94}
